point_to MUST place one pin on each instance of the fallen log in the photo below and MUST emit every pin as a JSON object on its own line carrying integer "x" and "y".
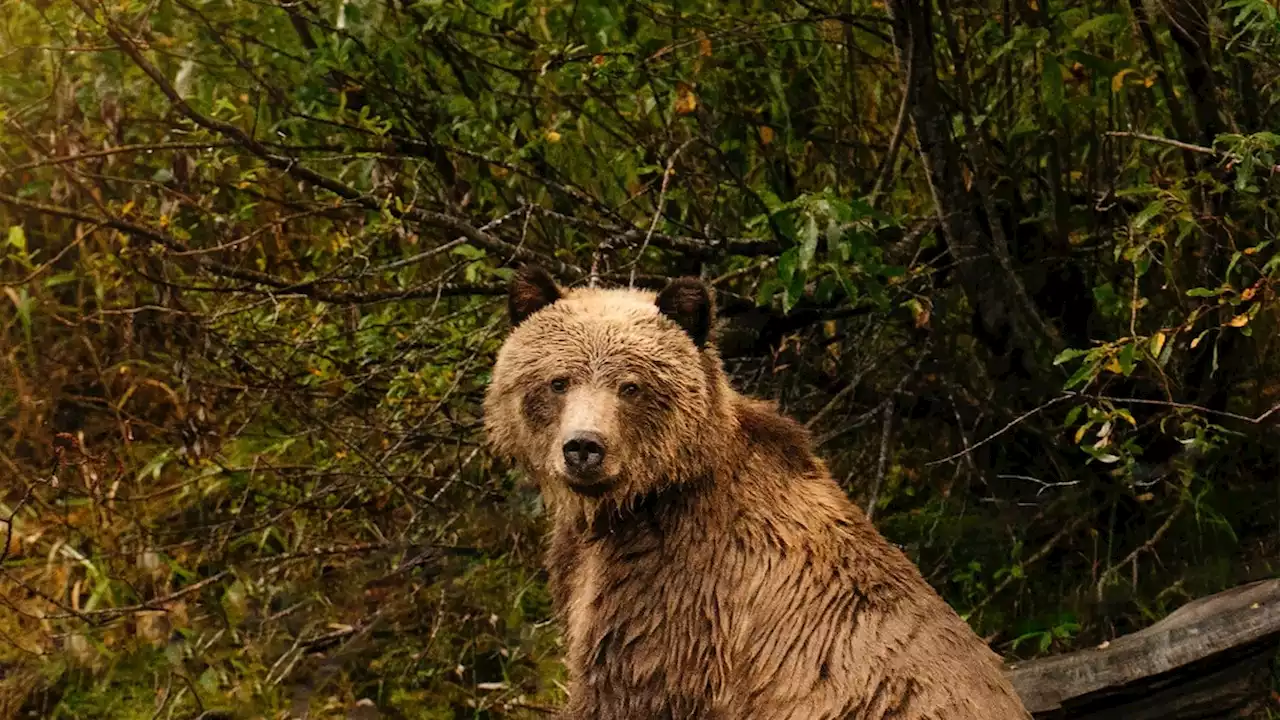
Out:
{"x": 1211, "y": 658}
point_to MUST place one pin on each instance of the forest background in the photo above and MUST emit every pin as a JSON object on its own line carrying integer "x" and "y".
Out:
{"x": 1012, "y": 261}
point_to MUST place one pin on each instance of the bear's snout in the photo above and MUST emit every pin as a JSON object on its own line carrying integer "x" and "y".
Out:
{"x": 584, "y": 453}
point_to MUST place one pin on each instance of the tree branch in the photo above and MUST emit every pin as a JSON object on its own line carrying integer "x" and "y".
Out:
{"x": 291, "y": 165}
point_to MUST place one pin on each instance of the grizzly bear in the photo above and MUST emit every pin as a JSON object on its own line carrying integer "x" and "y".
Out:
{"x": 704, "y": 564}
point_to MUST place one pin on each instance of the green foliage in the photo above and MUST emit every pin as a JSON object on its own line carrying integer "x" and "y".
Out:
{"x": 245, "y": 335}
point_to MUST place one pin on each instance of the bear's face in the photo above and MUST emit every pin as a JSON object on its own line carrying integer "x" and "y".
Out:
{"x": 603, "y": 393}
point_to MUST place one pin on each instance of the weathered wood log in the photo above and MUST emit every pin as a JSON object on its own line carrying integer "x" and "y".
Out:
{"x": 1211, "y": 658}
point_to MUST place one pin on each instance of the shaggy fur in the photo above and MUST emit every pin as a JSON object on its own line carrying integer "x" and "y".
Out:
{"x": 711, "y": 569}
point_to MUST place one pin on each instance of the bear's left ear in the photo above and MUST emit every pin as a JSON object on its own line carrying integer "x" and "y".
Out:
{"x": 531, "y": 289}
{"x": 688, "y": 301}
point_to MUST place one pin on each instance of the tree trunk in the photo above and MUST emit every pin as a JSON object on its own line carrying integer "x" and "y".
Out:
{"x": 1006, "y": 318}
{"x": 1209, "y": 659}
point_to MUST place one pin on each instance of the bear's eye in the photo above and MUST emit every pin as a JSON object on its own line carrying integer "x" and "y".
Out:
{"x": 559, "y": 385}
{"x": 629, "y": 389}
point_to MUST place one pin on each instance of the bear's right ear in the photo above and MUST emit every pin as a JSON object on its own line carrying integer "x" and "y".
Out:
{"x": 688, "y": 301}
{"x": 531, "y": 289}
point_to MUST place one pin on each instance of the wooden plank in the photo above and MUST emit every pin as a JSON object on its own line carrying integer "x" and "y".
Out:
{"x": 1208, "y": 659}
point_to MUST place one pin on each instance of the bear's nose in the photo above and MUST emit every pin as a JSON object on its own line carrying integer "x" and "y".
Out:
{"x": 584, "y": 453}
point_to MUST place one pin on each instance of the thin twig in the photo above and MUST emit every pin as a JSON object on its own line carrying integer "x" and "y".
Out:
{"x": 657, "y": 212}
{"x": 888, "y": 404}
{"x": 1189, "y": 406}
{"x": 1189, "y": 147}
{"x": 1148, "y": 545}
{"x": 1012, "y": 423}
{"x": 1135, "y": 401}
{"x": 119, "y": 149}
{"x": 848, "y": 389}
{"x": 155, "y": 604}
{"x": 309, "y": 288}
{"x": 1163, "y": 141}
{"x": 882, "y": 461}
{"x": 885, "y": 171}
{"x": 1034, "y": 558}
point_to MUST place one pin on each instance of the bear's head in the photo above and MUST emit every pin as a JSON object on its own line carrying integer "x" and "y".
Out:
{"x": 607, "y": 393}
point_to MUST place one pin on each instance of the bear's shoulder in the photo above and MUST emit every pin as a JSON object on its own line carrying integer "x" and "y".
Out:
{"x": 769, "y": 435}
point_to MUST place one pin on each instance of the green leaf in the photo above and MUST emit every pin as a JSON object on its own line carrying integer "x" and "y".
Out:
{"x": 1126, "y": 359}
{"x": 1068, "y": 354}
{"x": 18, "y": 238}
{"x": 787, "y": 263}
{"x": 151, "y": 471}
{"x": 1051, "y": 85}
{"x": 1086, "y": 372}
{"x": 469, "y": 252}
{"x": 850, "y": 290}
{"x": 1235, "y": 258}
{"x": 826, "y": 289}
{"x": 1072, "y": 416}
{"x": 808, "y": 242}
{"x": 1096, "y": 24}
{"x": 1152, "y": 209}
{"x": 795, "y": 291}
{"x": 768, "y": 288}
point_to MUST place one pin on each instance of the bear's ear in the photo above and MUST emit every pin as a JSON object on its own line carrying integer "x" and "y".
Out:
{"x": 531, "y": 289}
{"x": 688, "y": 301}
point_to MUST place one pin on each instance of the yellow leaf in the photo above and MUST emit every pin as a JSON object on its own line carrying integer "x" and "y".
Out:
{"x": 1117, "y": 80}
{"x": 766, "y": 134}
{"x": 686, "y": 101}
{"x": 1249, "y": 293}
{"x": 553, "y": 136}
{"x": 1145, "y": 497}
{"x": 1196, "y": 342}
{"x": 1080, "y": 433}
{"x": 1239, "y": 321}
{"x": 127, "y": 207}
{"x": 1157, "y": 343}
{"x": 704, "y": 46}
{"x": 1149, "y": 81}
{"x": 920, "y": 310}
{"x": 1033, "y": 5}
{"x": 1113, "y": 365}
{"x": 1250, "y": 250}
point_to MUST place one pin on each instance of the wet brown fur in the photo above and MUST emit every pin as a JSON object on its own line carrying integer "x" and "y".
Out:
{"x": 725, "y": 576}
